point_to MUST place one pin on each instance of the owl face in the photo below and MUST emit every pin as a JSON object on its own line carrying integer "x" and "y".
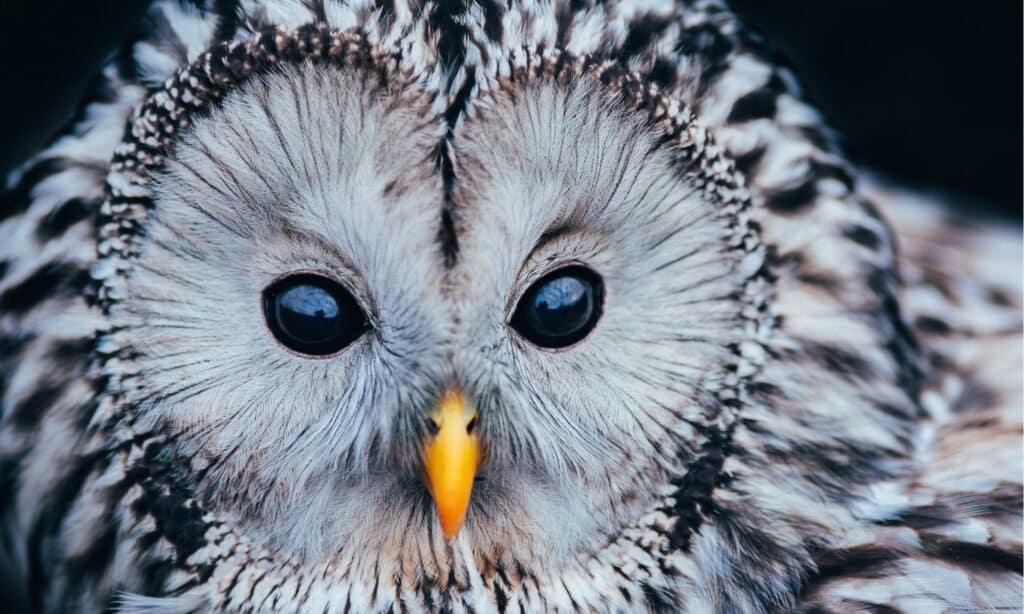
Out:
{"x": 366, "y": 331}
{"x": 460, "y": 307}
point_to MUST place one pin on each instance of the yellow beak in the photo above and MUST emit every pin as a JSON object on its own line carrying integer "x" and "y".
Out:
{"x": 451, "y": 459}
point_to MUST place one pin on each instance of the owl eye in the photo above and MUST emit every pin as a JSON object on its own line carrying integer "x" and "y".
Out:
{"x": 313, "y": 315}
{"x": 561, "y": 308}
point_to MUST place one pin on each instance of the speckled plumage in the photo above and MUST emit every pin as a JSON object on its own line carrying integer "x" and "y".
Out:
{"x": 811, "y": 401}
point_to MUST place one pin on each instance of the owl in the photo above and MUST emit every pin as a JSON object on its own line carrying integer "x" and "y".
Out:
{"x": 487, "y": 306}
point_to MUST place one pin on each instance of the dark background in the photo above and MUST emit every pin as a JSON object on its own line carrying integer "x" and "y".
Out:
{"x": 928, "y": 92}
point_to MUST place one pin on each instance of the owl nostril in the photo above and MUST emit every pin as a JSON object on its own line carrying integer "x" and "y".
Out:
{"x": 471, "y": 426}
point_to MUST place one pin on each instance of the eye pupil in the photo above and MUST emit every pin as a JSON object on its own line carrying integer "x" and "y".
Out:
{"x": 563, "y": 304}
{"x": 307, "y": 312}
{"x": 312, "y": 315}
{"x": 561, "y": 308}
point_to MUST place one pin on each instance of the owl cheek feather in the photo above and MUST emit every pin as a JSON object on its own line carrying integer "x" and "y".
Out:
{"x": 451, "y": 458}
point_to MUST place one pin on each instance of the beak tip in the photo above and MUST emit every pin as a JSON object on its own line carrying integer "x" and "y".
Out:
{"x": 451, "y": 514}
{"x": 450, "y": 531}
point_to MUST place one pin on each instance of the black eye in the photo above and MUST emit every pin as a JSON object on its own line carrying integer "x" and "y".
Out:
{"x": 561, "y": 308}
{"x": 312, "y": 314}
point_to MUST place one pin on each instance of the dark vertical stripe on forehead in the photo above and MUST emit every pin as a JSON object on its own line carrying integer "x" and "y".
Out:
{"x": 445, "y": 21}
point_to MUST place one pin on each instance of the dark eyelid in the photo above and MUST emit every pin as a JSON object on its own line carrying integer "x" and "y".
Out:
{"x": 550, "y": 236}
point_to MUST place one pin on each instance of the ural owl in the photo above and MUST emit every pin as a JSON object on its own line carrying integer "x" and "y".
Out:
{"x": 405, "y": 305}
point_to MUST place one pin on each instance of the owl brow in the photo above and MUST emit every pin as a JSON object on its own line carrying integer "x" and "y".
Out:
{"x": 445, "y": 20}
{"x": 447, "y": 236}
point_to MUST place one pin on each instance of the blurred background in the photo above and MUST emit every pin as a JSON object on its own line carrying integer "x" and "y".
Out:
{"x": 928, "y": 92}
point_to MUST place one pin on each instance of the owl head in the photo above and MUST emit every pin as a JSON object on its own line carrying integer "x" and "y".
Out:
{"x": 393, "y": 315}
